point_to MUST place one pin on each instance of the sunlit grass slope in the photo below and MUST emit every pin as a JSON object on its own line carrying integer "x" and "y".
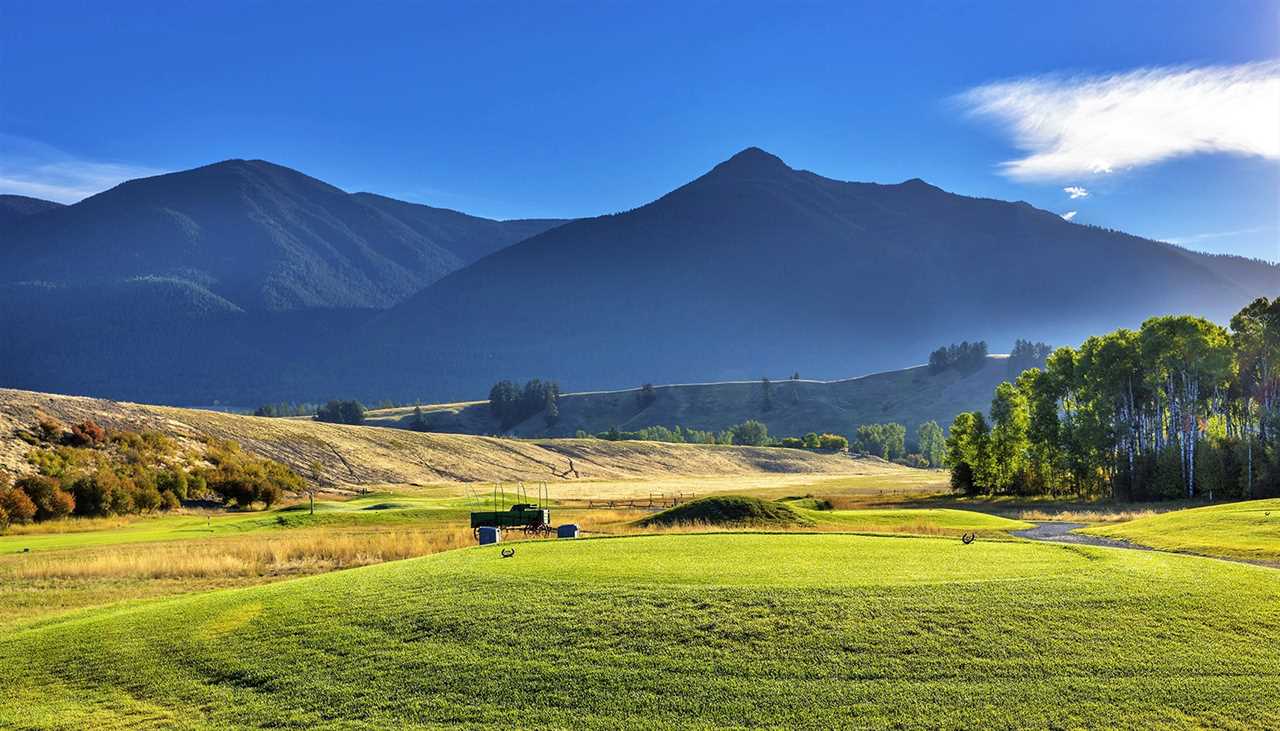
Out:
{"x": 910, "y": 396}
{"x": 726, "y": 630}
{"x": 1248, "y": 530}
{"x": 926, "y": 521}
{"x": 349, "y": 456}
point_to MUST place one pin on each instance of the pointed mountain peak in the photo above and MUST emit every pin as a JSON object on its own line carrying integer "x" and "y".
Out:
{"x": 918, "y": 184}
{"x": 752, "y": 162}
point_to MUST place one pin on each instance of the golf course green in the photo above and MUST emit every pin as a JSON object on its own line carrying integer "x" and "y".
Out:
{"x": 693, "y": 630}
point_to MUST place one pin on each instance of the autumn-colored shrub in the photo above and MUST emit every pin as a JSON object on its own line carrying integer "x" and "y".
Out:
{"x": 18, "y": 506}
{"x": 61, "y": 504}
{"x": 86, "y": 434}
{"x": 46, "y": 493}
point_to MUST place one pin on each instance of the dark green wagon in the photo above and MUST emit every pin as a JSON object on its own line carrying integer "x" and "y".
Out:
{"x": 523, "y": 516}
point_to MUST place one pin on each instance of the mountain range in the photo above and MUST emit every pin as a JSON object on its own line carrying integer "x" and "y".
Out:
{"x": 245, "y": 282}
{"x": 259, "y": 235}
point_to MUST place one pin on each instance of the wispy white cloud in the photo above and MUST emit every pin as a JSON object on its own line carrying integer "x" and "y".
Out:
{"x": 1193, "y": 238}
{"x": 1081, "y": 125}
{"x": 1075, "y": 191}
{"x": 38, "y": 170}
{"x": 1069, "y": 215}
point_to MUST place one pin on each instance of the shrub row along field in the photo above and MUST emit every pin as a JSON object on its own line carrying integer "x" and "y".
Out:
{"x": 90, "y": 471}
{"x": 814, "y": 630}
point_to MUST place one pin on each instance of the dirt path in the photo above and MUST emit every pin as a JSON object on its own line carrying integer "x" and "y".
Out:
{"x": 1060, "y": 532}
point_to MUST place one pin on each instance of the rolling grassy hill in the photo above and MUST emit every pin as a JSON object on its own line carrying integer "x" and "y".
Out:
{"x": 910, "y": 396}
{"x": 350, "y": 456}
{"x": 728, "y": 630}
{"x": 1248, "y": 530}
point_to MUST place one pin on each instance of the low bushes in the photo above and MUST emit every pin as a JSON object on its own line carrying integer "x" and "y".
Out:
{"x": 90, "y": 471}
{"x": 812, "y": 440}
{"x": 341, "y": 412}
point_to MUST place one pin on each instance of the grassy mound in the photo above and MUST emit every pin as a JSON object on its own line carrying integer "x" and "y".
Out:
{"x": 711, "y": 630}
{"x": 728, "y": 510}
{"x": 1248, "y": 530}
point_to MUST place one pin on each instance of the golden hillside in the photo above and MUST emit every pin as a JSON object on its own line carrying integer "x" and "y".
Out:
{"x": 351, "y": 456}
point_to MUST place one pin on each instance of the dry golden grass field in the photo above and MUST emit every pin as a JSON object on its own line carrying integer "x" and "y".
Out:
{"x": 363, "y": 457}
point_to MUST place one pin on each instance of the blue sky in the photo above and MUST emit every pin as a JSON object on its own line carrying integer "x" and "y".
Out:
{"x": 574, "y": 109}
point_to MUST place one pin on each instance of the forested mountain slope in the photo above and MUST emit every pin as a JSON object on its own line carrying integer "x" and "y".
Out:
{"x": 245, "y": 282}
{"x": 257, "y": 234}
{"x": 14, "y": 208}
{"x": 758, "y": 268}
{"x": 230, "y": 282}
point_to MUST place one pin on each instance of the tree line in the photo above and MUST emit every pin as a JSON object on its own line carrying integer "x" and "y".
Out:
{"x": 889, "y": 441}
{"x": 336, "y": 411}
{"x": 965, "y": 357}
{"x": 816, "y": 441}
{"x": 750, "y": 433}
{"x": 1026, "y": 354}
{"x": 1180, "y": 408}
{"x": 512, "y": 404}
{"x": 885, "y": 440}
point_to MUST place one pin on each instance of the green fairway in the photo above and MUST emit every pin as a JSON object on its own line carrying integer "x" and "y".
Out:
{"x": 1247, "y": 530}
{"x": 702, "y": 630}
{"x": 917, "y": 520}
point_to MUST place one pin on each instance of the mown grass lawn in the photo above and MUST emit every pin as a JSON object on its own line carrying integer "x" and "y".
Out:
{"x": 1248, "y": 530}
{"x": 713, "y": 630}
{"x": 917, "y": 520}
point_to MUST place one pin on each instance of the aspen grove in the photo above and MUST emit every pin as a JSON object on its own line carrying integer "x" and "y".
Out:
{"x": 1181, "y": 408}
